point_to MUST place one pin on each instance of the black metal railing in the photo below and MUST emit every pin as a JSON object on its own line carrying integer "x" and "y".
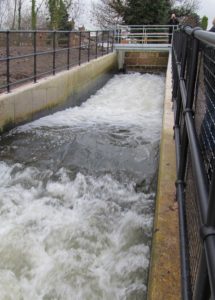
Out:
{"x": 193, "y": 56}
{"x": 29, "y": 55}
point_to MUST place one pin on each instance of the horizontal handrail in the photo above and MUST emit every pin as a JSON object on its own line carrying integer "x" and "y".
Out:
{"x": 80, "y": 46}
{"x": 145, "y": 26}
{"x": 187, "y": 69}
{"x": 51, "y": 31}
{"x": 148, "y": 33}
{"x": 202, "y": 35}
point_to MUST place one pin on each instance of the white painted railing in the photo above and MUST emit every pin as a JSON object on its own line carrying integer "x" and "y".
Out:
{"x": 144, "y": 34}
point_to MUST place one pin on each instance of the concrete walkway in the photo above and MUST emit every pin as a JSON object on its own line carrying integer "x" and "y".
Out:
{"x": 164, "y": 277}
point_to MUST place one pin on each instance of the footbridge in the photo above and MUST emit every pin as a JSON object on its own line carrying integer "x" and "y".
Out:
{"x": 61, "y": 166}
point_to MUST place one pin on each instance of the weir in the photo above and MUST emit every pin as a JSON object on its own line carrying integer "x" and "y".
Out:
{"x": 142, "y": 58}
{"x": 86, "y": 176}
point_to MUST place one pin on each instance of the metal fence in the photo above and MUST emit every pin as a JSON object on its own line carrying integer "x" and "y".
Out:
{"x": 29, "y": 55}
{"x": 194, "y": 130}
{"x": 144, "y": 34}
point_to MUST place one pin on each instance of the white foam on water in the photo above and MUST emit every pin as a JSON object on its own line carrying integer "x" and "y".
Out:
{"x": 131, "y": 100}
{"x": 88, "y": 237}
{"x": 80, "y": 239}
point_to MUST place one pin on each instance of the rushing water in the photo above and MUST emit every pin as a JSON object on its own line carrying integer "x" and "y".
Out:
{"x": 77, "y": 193}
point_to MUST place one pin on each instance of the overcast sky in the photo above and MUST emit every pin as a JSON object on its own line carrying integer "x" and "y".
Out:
{"x": 206, "y": 7}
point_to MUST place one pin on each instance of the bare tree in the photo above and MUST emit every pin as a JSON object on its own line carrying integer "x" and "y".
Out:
{"x": 13, "y": 21}
{"x": 4, "y": 9}
{"x": 75, "y": 9}
{"x": 14, "y": 14}
{"x": 108, "y": 13}
{"x": 41, "y": 19}
{"x": 187, "y": 5}
{"x": 20, "y": 8}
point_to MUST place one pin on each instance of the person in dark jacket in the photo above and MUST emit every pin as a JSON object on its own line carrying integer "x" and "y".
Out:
{"x": 173, "y": 22}
{"x": 213, "y": 27}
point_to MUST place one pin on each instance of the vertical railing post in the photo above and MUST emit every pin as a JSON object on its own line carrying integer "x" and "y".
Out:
{"x": 118, "y": 34}
{"x": 175, "y": 65}
{"x": 54, "y": 53}
{"x": 108, "y": 36}
{"x": 178, "y": 60}
{"x": 182, "y": 145}
{"x": 113, "y": 39}
{"x": 176, "y": 89}
{"x": 193, "y": 73}
{"x": 79, "y": 52}
{"x": 179, "y": 109}
{"x": 208, "y": 235}
{"x": 35, "y": 55}
{"x": 180, "y": 183}
{"x": 68, "y": 50}
{"x": 8, "y": 59}
{"x": 202, "y": 289}
{"x": 189, "y": 104}
{"x": 96, "y": 44}
{"x": 188, "y": 107}
{"x": 88, "y": 52}
{"x": 102, "y": 42}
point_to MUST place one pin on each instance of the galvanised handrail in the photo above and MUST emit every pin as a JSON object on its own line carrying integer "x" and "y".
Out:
{"x": 100, "y": 41}
{"x": 144, "y": 33}
{"x": 201, "y": 35}
{"x": 183, "y": 98}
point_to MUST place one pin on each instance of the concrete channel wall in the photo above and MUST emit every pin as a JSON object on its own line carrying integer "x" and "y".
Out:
{"x": 66, "y": 89}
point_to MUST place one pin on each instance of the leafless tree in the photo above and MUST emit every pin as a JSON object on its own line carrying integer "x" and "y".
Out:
{"x": 189, "y": 5}
{"x": 11, "y": 13}
{"x": 41, "y": 19}
{"x": 4, "y": 9}
{"x": 14, "y": 14}
{"x": 21, "y": 18}
{"x": 75, "y": 9}
{"x": 107, "y": 13}
{"x": 20, "y": 11}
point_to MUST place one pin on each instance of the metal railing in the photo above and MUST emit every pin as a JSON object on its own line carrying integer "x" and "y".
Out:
{"x": 144, "y": 34}
{"x": 194, "y": 131}
{"x": 29, "y": 55}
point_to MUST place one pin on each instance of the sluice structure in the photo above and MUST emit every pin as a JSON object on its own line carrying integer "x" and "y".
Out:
{"x": 82, "y": 146}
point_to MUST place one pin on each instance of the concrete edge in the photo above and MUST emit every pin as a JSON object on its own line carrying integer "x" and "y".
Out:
{"x": 164, "y": 274}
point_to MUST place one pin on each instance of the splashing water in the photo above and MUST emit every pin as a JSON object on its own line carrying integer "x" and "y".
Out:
{"x": 77, "y": 194}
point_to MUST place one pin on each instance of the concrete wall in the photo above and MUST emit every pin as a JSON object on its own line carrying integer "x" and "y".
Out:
{"x": 66, "y": 89}
{"x": 146, "y": 61}
{"x": 164, "y": 275}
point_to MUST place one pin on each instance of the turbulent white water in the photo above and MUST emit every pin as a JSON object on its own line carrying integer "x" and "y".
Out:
{"x": 77, "y": 196}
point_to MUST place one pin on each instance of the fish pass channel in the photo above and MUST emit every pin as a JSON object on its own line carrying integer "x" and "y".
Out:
{"x": 77, "y": 192}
